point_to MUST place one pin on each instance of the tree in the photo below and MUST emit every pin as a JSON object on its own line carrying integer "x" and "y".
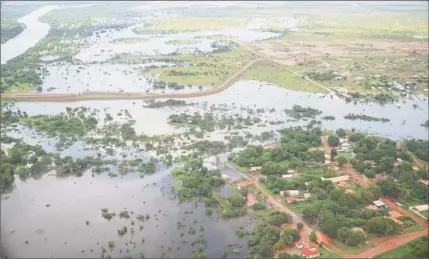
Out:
{"x": 342, "y": 160}
{"x": 341, "y": 132}
{"x": 333, "y": 140}
{"x": 299, "y": 225}
{"x": 334, "y": 153}
{"x": 313, "y": 236}
{"x": 343, "y": 234}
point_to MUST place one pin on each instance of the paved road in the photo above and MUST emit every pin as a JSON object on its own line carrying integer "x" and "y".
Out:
{"x": 66, "y": 97}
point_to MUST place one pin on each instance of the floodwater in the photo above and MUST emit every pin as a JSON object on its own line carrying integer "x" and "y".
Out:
{"x": 60, "y": 230}
{"x": 33, "y": 33}
{"x": 253, "y": 94}
{"x": 103, "y": 48}
{"x": 106, "y": 78}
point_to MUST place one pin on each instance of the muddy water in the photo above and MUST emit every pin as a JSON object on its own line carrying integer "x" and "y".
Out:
{"x": 154, "y": 44}
{"x": 104, "y": 77}
{"x": 60, "y": 230}
{"x": 252, "y": 94}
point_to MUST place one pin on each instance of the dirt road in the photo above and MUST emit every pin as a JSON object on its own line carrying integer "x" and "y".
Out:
{"x": 124, "y": 95}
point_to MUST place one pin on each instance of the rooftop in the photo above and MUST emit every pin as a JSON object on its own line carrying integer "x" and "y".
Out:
{"x": 309, "y": 251}
{"x": 379, "y": 203}
{"x": 337, "y": 179}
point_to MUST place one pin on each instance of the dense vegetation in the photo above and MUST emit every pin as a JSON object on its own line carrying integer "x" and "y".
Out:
{"x": 299, "y": 112}
{"x": 364, "y": 117}
{"x": 420, "y": 148}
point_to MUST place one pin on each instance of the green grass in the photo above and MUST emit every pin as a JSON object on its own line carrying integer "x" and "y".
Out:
{"x": 413, "y": 228}
{"x": 425, "y": 213}
{"x": 21, "y": 88}
{"x": 280, "y": 76}
{"x": 326, "y": 254}
{"x": 194, "y": 24}
{"x": 406, "y": 250}
{"x": 204, "y": 70}
{"x": 354, "y": 250}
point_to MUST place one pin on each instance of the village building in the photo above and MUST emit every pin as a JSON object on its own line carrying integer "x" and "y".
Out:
{"x": 380, "y": 204}
{"x": 338, "y": 179}
{"x": 425, "y": 182}
{"x": 333, "y": 168}
{"x": 225, "y": 176}
{"x": 420, "y": 208}
{"x": 415, "y": 168}
{"x": 287, "y": 176}
{"x": 327, "y": 156}
{"x": 307, "y": 195}
{"x": 251, "y": 199}
{"x": 254, "y": 169}
{"x": 291, "y": 199}
{"x": 343, "y": 185}
{"x": 292, "y": 171}
{"x": 309, "y": 252}
{"x": 371, "y": 207}
{"x": 299, "y": 244}
{"x": 243, "y": 185}
{"x": 271, "y": 147}
{"x": 293, "y": 193}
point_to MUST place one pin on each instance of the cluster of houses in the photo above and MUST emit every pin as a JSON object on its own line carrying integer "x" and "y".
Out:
{"x": 251, "y": 198}
{"x": 392, "y": 214}
{"x": 307, "y": 252}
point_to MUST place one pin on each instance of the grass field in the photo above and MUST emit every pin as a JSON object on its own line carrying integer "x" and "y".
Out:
{"x": 408, "y": 250}
{"x": 194, "y": 24}
{"x": 183, "y": 42}
{"x": 279, "y": 76}
{"x": 425, "y": 213}
{"x": 326, "y": 254}
{"x": 21, "y": 88}
{"x": 354, "y": 250}
{"x": 204, "y": 70}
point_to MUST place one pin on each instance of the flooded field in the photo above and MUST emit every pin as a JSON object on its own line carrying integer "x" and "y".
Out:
{"x": 48, "y": 215}
{"x": 56, "y": 226}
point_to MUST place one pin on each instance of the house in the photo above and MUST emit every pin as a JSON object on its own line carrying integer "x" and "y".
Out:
{"x": 333, "y": 168}
{"x": 243, "y": 185}
{"x": 225, "y": 176}
{"x": 338, "y": 179}
{"x": 395, "y": 164}
{"x": 421, "y": 208}
{"x": 291, "y": 199}
{"x": 289, "y": 193}
{"x": 251, "y": 199}
{"x": 254, "y": 169}
{"x": 271, "y": 147}
{"x": 343, "y": 141}
{"x": 425, "y": 182}
{"x": 309, "y": 252}
{"x": 307, "y": 195}
{"x": 380, "y": 204}
{"x": 292, "y": 171}
{"x": 343, "y": 185}
{"x": 372, "y": 162}
{"x": 299, "y": 244}
{"x": 371, "y": 207}
{"x": 415, "y": 168}
{"x": 327, "y": 157}
{"x": 287, "y": 176}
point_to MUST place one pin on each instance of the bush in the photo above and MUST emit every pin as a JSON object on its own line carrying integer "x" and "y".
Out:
{"x": 299, "y": 225}
{"x": 258, "y": 206}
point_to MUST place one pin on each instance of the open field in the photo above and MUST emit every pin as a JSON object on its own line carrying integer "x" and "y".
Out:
{"x": 280, "y": 76}
{"x": 193, "y": 24}
{"x": 205, "y": 70}
{"x": 409, "y": 250}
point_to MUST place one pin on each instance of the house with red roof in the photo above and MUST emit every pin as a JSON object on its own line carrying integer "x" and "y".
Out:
{"x": 251, "y": 199}
{"x": 310, "y": 252}
{"x": 271, "y": 147}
